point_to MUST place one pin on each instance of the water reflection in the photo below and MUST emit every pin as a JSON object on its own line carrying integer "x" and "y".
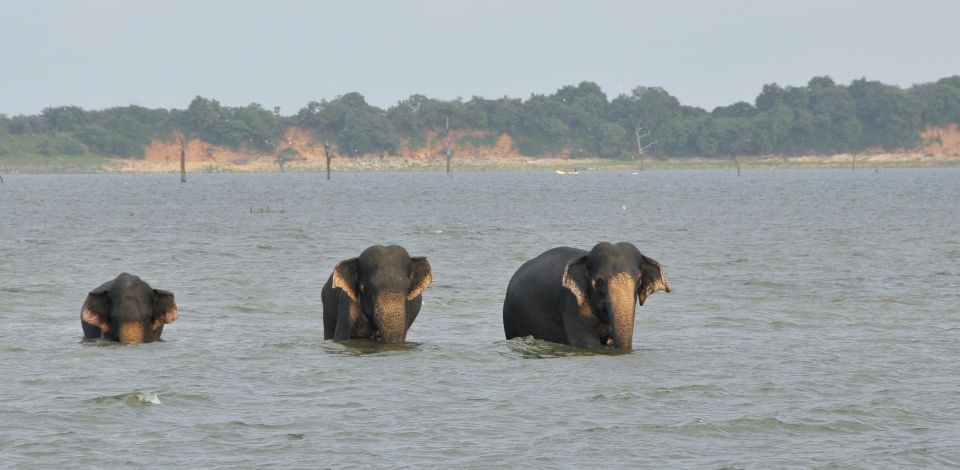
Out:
{"x": 532, "y": 348}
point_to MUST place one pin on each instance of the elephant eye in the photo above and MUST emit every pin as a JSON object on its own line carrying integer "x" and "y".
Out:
{"x": 363, "y": 287}
{"x": 599, "y": 283}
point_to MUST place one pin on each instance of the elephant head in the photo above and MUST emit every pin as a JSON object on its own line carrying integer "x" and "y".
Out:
{"x": 605, "y": 283}
{"x": 384, "y": 284}
{"x": 128, "y": 310}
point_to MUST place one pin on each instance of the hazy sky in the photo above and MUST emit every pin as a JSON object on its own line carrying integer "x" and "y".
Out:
{"x": 102, "y": 53}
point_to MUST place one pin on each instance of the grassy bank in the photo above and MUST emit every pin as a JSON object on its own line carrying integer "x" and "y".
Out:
{"x": 54, "y": 164}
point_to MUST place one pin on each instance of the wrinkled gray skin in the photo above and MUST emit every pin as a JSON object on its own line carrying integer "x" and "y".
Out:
{"x": 375, "y": 296}
{"x": 584, "y": 299}
{"x": 127, "y": 310}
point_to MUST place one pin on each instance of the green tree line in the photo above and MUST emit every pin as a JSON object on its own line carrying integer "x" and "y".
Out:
{"x": 822, "y": 117}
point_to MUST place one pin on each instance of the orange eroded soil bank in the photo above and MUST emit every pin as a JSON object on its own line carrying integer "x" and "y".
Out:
{"x": 941, "y": 146}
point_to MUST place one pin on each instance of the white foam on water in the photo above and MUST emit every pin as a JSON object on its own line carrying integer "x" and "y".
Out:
{"x": 149, "y": 397}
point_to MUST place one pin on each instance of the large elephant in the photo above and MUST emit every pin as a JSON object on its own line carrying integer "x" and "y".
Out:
{"x": 584, "y": 299}
{"x": 127, "y": 310}
{"x": 375, "y": 296}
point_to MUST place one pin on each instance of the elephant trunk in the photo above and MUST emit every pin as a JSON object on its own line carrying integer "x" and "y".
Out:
{"x": 622, "y": 307}
{"x": 390, "y": 317}
{"x": 131, "y": 333}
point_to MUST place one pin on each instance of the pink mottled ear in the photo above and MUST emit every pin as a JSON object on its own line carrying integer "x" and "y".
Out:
{"x": 345, "y": 276}
{"x": 575, "y": 279}
{"x": 652, "y": 279}
{"x": 164, "y": 308}
{"x": 421, "y": 276}
{"x": 95, "y": 310}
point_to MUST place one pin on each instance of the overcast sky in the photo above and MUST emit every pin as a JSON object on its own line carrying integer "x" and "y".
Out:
{"x": 102, "y": 53}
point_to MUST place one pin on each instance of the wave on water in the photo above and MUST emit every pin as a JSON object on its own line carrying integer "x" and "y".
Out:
{"x": 691, "y": 390}
{"x": 455, "y": 232}
{"x": 245, "y": 308}
{"x": 364, "y": 347}
{"x": 135, "y": 398}
{"x": 36, "y": 241}
{"x": 768, "y": 424}
{"x": 99, "y": 342}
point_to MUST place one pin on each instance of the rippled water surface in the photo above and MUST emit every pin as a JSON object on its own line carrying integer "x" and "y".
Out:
{"x": 814, "y": 322}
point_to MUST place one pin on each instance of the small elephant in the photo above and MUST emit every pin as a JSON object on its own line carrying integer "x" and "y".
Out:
{"x": 375, "y": 296}
{"x": 583, "y": 299}
{"x": 127, "y": 310}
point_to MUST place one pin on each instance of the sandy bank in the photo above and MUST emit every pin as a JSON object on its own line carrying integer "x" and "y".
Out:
{"x": 266, "y": 164}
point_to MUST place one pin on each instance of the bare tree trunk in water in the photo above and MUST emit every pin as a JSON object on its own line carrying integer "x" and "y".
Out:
{"x": 279, "y": 159}
{"x": 183, "y": 163}
{"x": 640, "y": 134}
{"x": 853, "y": 164}
{"x": 329, "y": 156}
{"x": 1, "y": 178}
{"x": 446, "y": 144}
{"x": 738, "y": 164}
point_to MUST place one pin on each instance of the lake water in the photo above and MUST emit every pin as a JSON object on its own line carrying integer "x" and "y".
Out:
{"x": 814, "y": 322}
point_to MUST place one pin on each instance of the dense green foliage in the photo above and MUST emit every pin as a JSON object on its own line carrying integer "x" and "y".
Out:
{"x": 820, "y": 118}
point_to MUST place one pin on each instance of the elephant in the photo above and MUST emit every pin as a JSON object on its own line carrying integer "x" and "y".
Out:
{"x": 375, "y": 296}
{"x": 584, "y": 299}
{"x": 127, "y": 310}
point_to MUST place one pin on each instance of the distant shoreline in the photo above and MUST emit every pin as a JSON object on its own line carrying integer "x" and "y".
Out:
{"x": 267, "y": 164}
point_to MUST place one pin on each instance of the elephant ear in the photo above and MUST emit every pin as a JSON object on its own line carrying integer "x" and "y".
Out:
{"x": 96, "y": 310}
{"x": 421, "y": 276}
{"x": 652, "y": 279}
{"x": 164, "y": 308}
{"x": 575, "y": 279}
{"x": 345, "y": 276}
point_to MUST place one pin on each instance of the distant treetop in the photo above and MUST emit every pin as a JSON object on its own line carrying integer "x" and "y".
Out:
{"x": 819, "y": 118}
